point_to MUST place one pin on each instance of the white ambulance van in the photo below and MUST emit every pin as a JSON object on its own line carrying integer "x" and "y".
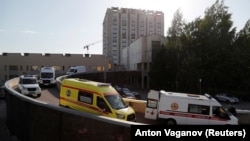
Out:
{"x": 47, "y": 76}
{"x": 186, "y": 109}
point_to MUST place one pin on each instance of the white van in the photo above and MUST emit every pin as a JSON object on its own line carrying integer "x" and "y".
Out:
{"x": 28, "y": 85}
{"x": 47, "y": 76}
{"x": 182, "y": 108}
{"x": 76, "y": 69}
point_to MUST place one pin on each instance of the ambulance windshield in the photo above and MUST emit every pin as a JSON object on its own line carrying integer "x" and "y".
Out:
{"x": 116, "y": 102}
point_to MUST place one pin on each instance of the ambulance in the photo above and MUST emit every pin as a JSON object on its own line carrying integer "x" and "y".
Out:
{"x": 173, "y": 108}
{"x": 47, "y": 76}
{"x": 94, "y": 97}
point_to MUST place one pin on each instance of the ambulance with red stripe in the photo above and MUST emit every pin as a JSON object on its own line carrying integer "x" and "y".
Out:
{"x": 94, "y": 97}
{"x": 186, "y": 109}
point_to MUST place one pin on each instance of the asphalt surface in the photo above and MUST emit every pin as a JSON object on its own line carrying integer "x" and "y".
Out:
{"x": 4, "y": 132}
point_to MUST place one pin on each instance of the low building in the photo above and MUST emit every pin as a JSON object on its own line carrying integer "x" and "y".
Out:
{"x": 138, "y": 56}
{"x": 15, "y": 64}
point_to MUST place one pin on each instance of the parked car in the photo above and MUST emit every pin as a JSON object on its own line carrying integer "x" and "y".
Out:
{"x": 126, "y": 93}
{"x": 127, "y": 90}
{"x": 228, "y": 98}
{"x": 118, "y": 88}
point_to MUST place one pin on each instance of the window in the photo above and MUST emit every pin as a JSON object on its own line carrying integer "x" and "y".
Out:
{"x": 57, "y": 67}
{"x": 102, "y": 104}
{"x": 220, "y": 112}
{"x": 13, "y": 68}
{"x": 124, "y": 23}
{"x": 132, "y": 36}
{"x": 34, "y": 68}
{"x": 198, "y": 109}
{"x": 124, "y": 35}
{"x": 85, "y": 97}
{"x": 152, "y": 103}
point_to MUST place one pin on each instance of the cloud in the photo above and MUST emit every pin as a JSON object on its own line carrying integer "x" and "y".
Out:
{"x": 1, "y": 30}
{"x": 29, "y": 32}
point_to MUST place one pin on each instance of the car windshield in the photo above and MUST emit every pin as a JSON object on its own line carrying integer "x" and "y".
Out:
{"x": 116, "y": 101}
{"x": 47, "y": 75}
{"x": 72, "y": 70}
{"x": 130, "y": 94}
{"x": 228, "y": 95}
{"x": 125, "y": 90}
{"x": 29, "y": 81}
{"x": 220, "y": 112}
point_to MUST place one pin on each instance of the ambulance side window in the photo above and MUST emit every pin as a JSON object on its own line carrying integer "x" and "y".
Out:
{"x": 85, "y": 97}
{"x": 198, "y": 109}
{"x": 102, "y": 104}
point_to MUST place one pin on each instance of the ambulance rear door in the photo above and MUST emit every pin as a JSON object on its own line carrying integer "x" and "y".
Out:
{"x": 151, "y": 111}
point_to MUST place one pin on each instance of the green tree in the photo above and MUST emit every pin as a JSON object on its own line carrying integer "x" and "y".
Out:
{"x": 214, "y": 38}
{"x": 242, "y": 45}
{"x": 206, "y": 48}
{"x": 174, "y": 54}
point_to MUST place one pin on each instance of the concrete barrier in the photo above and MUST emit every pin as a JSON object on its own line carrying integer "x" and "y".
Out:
{"x": 138, "y": 105}
{"x": 30, "y": 119}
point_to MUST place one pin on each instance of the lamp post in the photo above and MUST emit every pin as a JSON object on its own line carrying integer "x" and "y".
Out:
{"x": 200, "y": 80}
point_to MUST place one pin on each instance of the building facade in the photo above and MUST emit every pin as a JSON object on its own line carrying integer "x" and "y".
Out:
{"x": 139, "y": 54}
{"x": 15, "y": 64}
{"x": 123, "y": 26}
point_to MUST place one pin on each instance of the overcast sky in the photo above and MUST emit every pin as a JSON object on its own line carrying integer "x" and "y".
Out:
{"x": 65, "y": 26}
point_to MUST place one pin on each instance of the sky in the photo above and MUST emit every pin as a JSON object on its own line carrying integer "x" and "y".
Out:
{"x": 66, "y": 26}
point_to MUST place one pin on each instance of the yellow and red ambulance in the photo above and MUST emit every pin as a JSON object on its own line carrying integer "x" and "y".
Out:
{"x": 94, "y": 97}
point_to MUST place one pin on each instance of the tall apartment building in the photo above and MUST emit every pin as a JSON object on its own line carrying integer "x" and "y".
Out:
{"x": 122, "y": 26}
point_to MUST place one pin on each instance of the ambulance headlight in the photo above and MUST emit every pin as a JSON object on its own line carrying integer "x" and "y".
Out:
{"x": 120, "y": 116}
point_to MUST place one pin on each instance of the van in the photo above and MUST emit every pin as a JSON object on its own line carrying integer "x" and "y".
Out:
{"x": 75, "y": 70}
{"x": 183, "y": 108}
{"x": 47, "y": 76}
{"x": 94, "y": 97}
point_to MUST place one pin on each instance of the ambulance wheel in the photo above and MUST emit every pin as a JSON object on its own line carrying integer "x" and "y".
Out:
{"x": 170, "y": 122}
